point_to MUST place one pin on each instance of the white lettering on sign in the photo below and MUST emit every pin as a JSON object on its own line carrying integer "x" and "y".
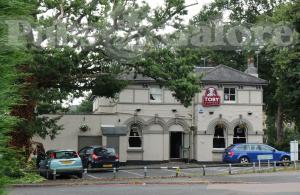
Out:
{"x": 265, "y": 157}
{"x": 213, "y": 99}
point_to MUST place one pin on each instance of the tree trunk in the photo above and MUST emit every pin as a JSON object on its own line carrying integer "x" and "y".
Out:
{"x": 279, "y": 124}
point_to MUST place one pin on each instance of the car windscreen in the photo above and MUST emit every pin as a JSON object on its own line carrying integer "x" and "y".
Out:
{"x": 63, "y": 155}
{"x": 105, "y": 151}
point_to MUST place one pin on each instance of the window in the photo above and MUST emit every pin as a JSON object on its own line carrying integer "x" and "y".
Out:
{"x": 219, "y": 138}
{"x": 229, "y": 95}
{"x": 135, "y": 136}
{"x": 82, "y": 151}
{"x": 243, "y": 147}
{"x": 63, "y": 155}
{"x": 239, "y": 134}
{"x": 254, "y": 147}
{"x": 104, "y": 151}
{"x": 265, "y": 148}
{"x": 155, "y": 95}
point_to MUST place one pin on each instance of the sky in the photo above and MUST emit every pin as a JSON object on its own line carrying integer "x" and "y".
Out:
{"x": 192, "y": 11}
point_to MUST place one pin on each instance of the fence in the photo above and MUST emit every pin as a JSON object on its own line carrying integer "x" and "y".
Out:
{"x": 186, "y": 170}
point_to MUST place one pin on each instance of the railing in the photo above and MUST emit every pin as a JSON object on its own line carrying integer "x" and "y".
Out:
{"x": 189, "y": 170}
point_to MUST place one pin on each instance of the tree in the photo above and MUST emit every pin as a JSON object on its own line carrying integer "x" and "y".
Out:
{"x": 125, "y": 35}
{"x": 278, "y": 65}
{"x": 86, "y": 106}
{"x": 11, "y": 57}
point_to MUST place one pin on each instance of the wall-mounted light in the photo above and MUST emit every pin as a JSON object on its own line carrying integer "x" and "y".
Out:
{"x": 174, "y": 110}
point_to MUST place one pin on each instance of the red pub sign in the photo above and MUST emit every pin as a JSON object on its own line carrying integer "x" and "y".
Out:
{"x": 211, "y": 97}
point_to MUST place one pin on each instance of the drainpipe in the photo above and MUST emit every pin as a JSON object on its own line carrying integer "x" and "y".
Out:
{"x": 191, "y": 151}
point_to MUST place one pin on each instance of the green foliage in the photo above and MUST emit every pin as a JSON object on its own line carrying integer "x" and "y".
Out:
{"x": 11, "y": 57}
{"x": 44, "y": 126}
{"x": 108, "y": 86}
{"x": 280, "y": 66}
{"x": 86, "y": 106}
{"x": 173, "y": 69}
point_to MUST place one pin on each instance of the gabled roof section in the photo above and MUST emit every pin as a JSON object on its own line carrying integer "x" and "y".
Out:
{"x": 211, "y": 75}
{"x": 224, "y": 74}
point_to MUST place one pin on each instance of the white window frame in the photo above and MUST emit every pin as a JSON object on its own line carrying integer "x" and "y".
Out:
{"x": 156, "y": 92}
{"x": 238, "y": 137}
{"x": 220, "y": 137}
{"x": 139, "y": 130}
{"x": 229, "y": 94}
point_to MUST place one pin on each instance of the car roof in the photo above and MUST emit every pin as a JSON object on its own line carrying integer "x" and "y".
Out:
{"x": 55, "y": 150}
{"x": 247, "y": 143}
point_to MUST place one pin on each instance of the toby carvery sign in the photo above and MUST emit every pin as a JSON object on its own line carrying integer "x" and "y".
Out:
{"x": 211, "y": 97}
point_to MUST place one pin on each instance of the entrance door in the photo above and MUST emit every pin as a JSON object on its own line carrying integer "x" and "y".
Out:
{"x": 175, "y": 144}
{"x": 113, "y": 142}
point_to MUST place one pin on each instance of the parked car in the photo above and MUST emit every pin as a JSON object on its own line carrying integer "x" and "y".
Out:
{"x": 247, "y": 153}
{"x": 99, "y": 157}
{"x": 65, "y": 162}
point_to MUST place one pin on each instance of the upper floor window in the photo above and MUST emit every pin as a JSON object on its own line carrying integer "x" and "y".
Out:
{"x": 229, "y": 94}
{"x": 155, "y": 95}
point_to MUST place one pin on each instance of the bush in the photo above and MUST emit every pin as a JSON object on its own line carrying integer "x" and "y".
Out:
{"x": 290, "y": 134}
{"x": 14, "y": 169}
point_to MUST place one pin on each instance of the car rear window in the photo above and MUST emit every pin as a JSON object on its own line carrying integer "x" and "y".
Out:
{"x": 63, "y": 155}
{"x": 230, "y": 147}
{"x": 104, "y": 151}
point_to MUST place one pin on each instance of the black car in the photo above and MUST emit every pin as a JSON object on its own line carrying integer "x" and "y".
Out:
{"x": 99, "y": 157}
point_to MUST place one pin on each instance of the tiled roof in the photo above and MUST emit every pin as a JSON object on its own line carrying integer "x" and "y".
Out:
{"x": 212, "y": 75}
{"x": 225, "y": 74}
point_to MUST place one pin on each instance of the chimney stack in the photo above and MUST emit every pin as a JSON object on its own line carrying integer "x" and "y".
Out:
{"x": 252, "y": 70}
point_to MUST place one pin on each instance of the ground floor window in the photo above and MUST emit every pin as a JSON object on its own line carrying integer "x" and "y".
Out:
{"x": 219, "y": 138}
{"x": 240, "y": 134}
{"x": 135, "y": 136}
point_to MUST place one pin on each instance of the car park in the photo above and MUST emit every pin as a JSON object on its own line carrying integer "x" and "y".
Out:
{"x": 248, "y": 153}
{"x": 99, "y": 157}
{"x": 61, "y": 162}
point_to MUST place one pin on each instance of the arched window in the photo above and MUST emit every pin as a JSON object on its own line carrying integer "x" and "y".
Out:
{"x": 219, "y": 136}
{"x": 240, "y": 134}
{"x": 135, "y": 136}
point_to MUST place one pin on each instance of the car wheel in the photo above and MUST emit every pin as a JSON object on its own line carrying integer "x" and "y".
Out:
{"x": 285, "y": 161}
{"x": 49, "y": 176}
{"x": 244, "y": 160}
{"x": 79, "y": 175}
{"x": 89, "y": 167}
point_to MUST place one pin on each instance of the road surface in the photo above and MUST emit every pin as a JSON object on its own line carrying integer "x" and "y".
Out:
{"x": 213, "y": 189}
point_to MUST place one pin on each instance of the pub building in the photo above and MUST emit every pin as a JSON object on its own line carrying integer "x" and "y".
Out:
{"x": 146, "y": 123}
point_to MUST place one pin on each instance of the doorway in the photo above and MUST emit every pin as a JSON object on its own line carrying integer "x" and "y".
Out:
{"x": 175, "y": 145}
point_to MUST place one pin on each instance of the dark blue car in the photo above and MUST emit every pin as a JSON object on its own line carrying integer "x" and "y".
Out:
{"x": 247, "y": 153}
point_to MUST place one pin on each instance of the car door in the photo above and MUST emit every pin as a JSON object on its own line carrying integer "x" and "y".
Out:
{"x": 84, "y": 156}
{"x": 252, "y": 152}
{"x": 266, "y": 153}
{"x": 43, "y": 165}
